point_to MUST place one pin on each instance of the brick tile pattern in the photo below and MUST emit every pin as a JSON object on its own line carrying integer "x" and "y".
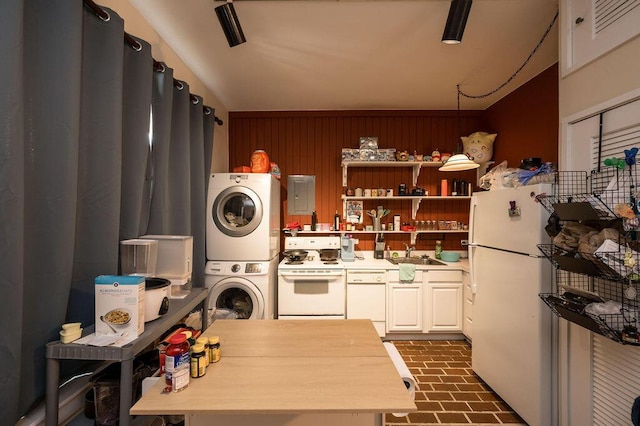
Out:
{"x": 449, "y": 391}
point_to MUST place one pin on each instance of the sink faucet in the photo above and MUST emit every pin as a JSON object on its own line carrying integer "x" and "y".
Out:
{"x": 408, "y": 250}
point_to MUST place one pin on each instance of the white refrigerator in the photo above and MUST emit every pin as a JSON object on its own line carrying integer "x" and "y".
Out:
{"x": 512, "y": 327}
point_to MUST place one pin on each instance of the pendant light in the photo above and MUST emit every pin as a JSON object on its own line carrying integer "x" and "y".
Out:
{"x": 230, "y": 24}
{"x": 456, "y": 21}
{"x": 460, "y": 161}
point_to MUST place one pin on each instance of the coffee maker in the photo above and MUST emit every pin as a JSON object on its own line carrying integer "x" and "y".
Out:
{"x": 347, "y": 253}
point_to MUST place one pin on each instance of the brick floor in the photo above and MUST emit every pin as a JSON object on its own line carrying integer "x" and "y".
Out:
{"x": 449, "y": 392}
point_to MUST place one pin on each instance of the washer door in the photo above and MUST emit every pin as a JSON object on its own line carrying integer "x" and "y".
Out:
{"x": 239, "y": 295}
{"x": 237, "y": 211}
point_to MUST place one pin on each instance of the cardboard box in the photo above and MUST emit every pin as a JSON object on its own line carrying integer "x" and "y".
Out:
{"x": 120, "y": 304}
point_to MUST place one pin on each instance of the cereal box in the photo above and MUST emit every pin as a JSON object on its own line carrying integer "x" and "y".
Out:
{"x": 120, "y": 304}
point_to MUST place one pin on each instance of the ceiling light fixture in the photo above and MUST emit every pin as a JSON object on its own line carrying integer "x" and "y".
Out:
{"x": 230, "y": 24}
{"x": 456, "y": 21}
{"x": 459, "y": 161}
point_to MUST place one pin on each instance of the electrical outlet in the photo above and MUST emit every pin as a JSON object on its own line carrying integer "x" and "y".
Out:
{"x": 464, "y": 242}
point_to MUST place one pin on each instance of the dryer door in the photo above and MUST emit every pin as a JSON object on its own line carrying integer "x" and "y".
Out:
{"x": 237, "y": 211}
{"x": 239, "y": 295}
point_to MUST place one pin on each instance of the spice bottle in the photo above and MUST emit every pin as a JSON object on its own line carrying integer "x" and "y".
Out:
{"x": 214, "y": 349}
{"x": 438, "y": 249}
{"x": 198, "y": 361}
{"x": 177, "y": 362}
{"x": 204, "y": 341}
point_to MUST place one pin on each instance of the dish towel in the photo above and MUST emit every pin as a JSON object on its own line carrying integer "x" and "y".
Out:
{"x": 407, "y": 271}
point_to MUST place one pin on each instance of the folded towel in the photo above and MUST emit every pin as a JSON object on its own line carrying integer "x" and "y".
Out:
{"x": 407, "y": 271}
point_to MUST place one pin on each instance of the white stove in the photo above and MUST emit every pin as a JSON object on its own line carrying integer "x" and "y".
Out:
{"x": 312, "y": 288}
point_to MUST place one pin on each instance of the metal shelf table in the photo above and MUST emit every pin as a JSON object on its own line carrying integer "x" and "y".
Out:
{"x": 56, "y": 351}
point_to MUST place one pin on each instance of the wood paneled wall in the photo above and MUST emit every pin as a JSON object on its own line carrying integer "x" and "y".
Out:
{"x": 310, "y": 143}
{"x": 527, "y": 121}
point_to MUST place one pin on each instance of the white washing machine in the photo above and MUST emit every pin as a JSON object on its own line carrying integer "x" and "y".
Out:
{"x": 243, "y": 217}
{"x": 248, "y": 288}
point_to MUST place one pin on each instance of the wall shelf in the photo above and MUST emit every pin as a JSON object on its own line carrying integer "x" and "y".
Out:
{"x": 414, "y": 165}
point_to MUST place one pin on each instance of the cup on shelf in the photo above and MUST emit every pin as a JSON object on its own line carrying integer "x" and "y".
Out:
{"x": 367, "y": 192}
{"x": 358, "y": 192}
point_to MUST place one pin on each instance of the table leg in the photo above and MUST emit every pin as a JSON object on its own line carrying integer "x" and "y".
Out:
{"x": 51, "y": 398}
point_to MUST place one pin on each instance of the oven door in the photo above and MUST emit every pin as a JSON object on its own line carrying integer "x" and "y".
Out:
{"x": 319, "y": 295}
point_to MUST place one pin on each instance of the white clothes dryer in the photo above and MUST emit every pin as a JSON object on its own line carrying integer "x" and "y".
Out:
{"x": 247, "y": 288}
{"x": 243, "y": 217}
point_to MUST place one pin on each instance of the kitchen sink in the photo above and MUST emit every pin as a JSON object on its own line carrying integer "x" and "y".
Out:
{"x": 416, "y": 261}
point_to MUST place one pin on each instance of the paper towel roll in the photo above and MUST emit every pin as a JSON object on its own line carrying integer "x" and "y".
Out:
{"x": 403, "y": 371}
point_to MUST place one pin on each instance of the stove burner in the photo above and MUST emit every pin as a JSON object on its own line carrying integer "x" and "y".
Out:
{"x": 331, "y": 262}
{"x": 294, "y": 262}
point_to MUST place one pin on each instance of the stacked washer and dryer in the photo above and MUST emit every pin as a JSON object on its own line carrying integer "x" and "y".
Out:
{"x": 243, "y": 243}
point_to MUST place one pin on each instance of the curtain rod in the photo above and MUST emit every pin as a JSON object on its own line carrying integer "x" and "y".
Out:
{"x": 137, "y": 46}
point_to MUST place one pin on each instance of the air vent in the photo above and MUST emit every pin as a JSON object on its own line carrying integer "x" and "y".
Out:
{"x": 608, "y": 12}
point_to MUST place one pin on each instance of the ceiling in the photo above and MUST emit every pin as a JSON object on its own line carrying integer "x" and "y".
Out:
{"x": 356, "y": 54}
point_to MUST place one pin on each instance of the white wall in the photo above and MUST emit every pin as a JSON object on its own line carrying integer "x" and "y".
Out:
{"x": 603, "y": 82}
{"x": 135, "y": 24}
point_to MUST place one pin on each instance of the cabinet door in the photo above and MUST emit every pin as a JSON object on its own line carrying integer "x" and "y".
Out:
{"x": 443, "y": 301}
{"x": 445, "y": 307}
{"x": 467, "y": 306}
{"x": 404, "y": 307}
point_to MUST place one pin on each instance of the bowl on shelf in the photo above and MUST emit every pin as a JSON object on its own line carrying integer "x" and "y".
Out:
{"x": 449, "y": 256}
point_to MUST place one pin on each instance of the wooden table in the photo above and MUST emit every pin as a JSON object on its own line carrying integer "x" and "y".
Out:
{"x": 276, "y": 372}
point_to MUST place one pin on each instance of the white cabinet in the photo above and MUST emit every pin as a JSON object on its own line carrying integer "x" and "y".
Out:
{"x": 467, "y": 305}
{"x": 366, "y": 297}
{"x": 443, "y": 301}
{"x": 590, "y": 29}
{"x": 404, "y": 303}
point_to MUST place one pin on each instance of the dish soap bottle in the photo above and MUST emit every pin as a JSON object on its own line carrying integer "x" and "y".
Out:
{"x": 438, "y": 249}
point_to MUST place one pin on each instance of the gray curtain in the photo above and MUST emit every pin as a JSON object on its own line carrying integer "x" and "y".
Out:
{"x": 77, "y": 173}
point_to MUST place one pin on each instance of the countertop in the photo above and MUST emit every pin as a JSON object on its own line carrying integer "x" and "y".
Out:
{"x": 365, "y": 260}
{"x": 289, "y": 367}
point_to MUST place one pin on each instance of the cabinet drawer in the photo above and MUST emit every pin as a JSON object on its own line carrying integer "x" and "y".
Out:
{"x": 445, "y": 276}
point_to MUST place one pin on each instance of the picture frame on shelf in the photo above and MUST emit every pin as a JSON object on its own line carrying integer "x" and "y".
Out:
{"x": 354, "y": 211}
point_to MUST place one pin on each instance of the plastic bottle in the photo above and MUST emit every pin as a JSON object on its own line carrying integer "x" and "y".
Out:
{"x": 214, "y": 349}
{"x": 177, "y": 363}
{"x": 438, "y": 249}
{"x": 204, "y": 341}
{"x": 198, "y": 361}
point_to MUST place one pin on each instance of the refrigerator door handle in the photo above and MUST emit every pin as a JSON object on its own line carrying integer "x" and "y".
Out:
{"x": 472, "y": 271}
